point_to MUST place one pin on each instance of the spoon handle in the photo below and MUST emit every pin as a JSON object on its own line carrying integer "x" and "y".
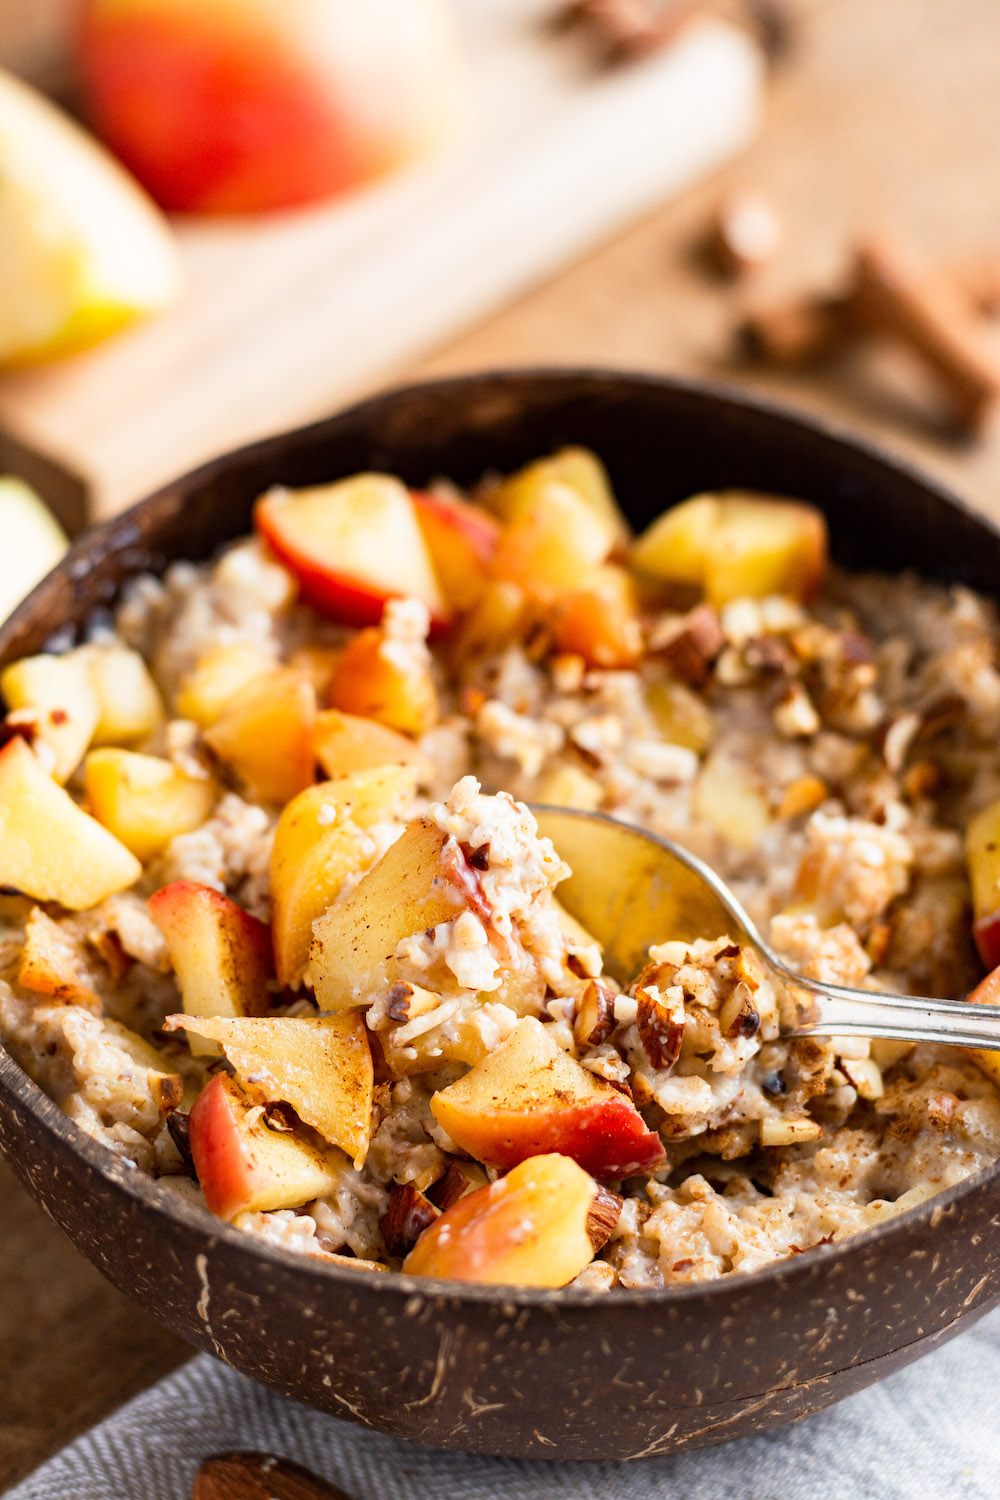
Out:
{"x": 831, "y": 1010}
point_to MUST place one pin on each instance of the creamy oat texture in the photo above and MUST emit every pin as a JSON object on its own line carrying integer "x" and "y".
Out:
{"x": 825, "y": 764}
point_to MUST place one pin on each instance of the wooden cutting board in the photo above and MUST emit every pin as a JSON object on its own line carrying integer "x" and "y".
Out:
{"x": 289, "y": 315}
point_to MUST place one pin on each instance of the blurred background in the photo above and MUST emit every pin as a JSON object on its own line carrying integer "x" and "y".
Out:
{"x": 797, "y": 196}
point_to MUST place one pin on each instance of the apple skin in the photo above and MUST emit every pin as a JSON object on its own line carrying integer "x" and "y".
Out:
{"x": 266, "y": 104}
{"x": 986, "y": 931}
{"x": 351, "y": 547}
{"x": 461, "y": 539}
{"x": 529, "y": 1098}
{"x": 248, "y": 1168}
{"x": 220, "y": 953}
{"x": 535, "y": 1227}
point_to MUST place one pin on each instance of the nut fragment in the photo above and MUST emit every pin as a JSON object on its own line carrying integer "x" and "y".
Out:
{"x": 460, "y": 1177}
{"x": 407, "y": 1001}
{"x": 865, "y": 1074}
{"x": 694, "y": 645}
{"x": 785, "y": 1132}
{"x": 627, "y": 29}
{"x": 404, "y": 1221}
{"x": 595, "y": 1015}
{"x": 604, "y": 1214}
{"x": 738, "y": 1014}
{"x": 660, "y": 1021}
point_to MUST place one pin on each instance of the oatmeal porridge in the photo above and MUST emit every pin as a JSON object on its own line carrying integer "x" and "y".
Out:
{"x": 279, "y": 928}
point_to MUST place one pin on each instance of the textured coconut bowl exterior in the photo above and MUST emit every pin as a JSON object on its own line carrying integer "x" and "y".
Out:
{"x": 557, "y": 1375}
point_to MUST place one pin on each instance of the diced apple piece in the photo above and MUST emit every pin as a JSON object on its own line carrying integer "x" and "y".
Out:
{"x": 407, "y": 891}
{"x": 677, "y": 544}
{"x": 266, "y": 734}
{"x": 529, "y": 1097}
{"x": 538, "y": 1226}
{"x": 575, "y": 468}
{"x": 129, "y": 704}
{"x": 461, "y": 539}
{"x": 737, "y": 544}
{"x": 727, "y": 796}
{"x": 321, "y": 1066}
{"x": 246, "y": 1167}
{"x": 319, "y": 842}
{"x": 348, "y": 742}
{"x": 375, "y": 681}
{"x": 352, "y": 545}
{"x": 987, "y": 992}
{"x": 568, "y": 786}
{"x": 551, "y": 542}
{"x": 498, "y": 618}
{"x": 33, "y": 542}
{"x": 145, "y": 800}
{"x": 57, "y": 694}
{"x": 682, "y": 717}
{"x": 600, "y": 620}
{"x": 220, "y": 953}
{"x": 217, "y": 677}
{"x": 982, "y": 853}
{"x": 318, "y": 663}
{"x": 50, "y": 964}
{"x": 49, "y": 847}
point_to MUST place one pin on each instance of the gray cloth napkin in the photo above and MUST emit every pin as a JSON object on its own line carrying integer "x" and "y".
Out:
{"x": 930, "y": 1432}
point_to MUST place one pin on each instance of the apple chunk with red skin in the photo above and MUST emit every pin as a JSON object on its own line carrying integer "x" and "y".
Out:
{"x": 246, "y": 1167}
{"x": 321, "y": 1066}
{"x": 538, "y": 1226}
{"x": 461, "y": 539}
{"x": 529, "y": 1097}
{"x": 351, "y": 546}
{"x": 220, "y": 953}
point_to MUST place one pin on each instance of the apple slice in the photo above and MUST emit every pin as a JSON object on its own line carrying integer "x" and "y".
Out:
{"x": 538, "y": 1226}
{"x": 351, "y": 546}
{"x": 737, "y": 544}
{"x": 373, "y": 679}
{"x": 599, "y": 620}
{"x": 56, "y": 695}
{"x": 33, "y": 542}
{"x": 144, "y": 800}
{"x": 246, "y": 1167}
{"x": 217, "y": 676}
{"x": 529, "y": 1097}
{"x": 577, "y": 469}
{"x": 50, "y": 848}
{"x": 84, "y": 250}
{"x": 265, "y": 733}
{"x": 321, "y": 1066}
{"x": 129, "y": 704}
{"x": 551, "y": 541}
{"x": 50, "y": 964}
{"x": 409, "y": 890}
{"x": 220, "y": 953}
{"x": 348, "y": 742}
{"x": 319, "y": 841}
{"x": 461, "y": 540}
{"x": 982, "y": 854}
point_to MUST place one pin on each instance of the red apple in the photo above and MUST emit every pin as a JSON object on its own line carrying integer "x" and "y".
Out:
{"x": 226, "y": 107}
{"x": 461, "y": 539}
{"x": 986, "y": 931}
{"x": 246, "y": 1167}
{"x": 351, "y": 545}
{"x": 220, "y": 953}
{"x": 529, "y": 1098}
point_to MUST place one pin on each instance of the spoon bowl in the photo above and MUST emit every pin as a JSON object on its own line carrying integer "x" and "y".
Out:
{"x": 631, "y": 889}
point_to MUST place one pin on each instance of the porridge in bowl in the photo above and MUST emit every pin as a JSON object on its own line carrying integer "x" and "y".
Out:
{"x": 279, "y": 929}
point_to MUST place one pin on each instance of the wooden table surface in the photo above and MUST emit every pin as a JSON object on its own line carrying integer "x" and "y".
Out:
{"x": 888, "y": 112}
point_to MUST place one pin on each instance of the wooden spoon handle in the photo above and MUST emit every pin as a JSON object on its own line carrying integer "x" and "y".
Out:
{"x": 260, "y": 1476}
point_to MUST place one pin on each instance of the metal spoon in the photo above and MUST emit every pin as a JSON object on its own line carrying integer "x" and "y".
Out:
{"x": 631, "y": 888}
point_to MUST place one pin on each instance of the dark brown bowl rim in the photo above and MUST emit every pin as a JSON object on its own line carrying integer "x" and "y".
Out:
{"x": 146, "y": 1190}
